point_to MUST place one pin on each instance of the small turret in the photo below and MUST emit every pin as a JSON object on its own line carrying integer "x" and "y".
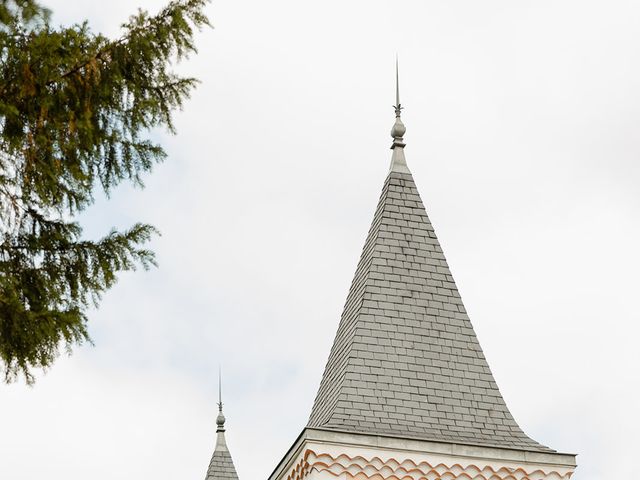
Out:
{"x": 221, "y": 466}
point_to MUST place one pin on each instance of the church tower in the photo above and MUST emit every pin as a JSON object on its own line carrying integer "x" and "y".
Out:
{"x": 407, "y": 392}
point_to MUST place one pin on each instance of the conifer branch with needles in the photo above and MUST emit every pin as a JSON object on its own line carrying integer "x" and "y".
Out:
{"x": 76, "y": 109}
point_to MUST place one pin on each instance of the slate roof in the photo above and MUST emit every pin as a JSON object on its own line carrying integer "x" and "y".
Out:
{"x": 406, "y": 361}
{"x": 221, "y": 466}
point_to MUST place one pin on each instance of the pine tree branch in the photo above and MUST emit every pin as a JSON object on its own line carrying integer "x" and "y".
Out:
{"x": 75, "y": 109}
{"x": 154, "y": 21}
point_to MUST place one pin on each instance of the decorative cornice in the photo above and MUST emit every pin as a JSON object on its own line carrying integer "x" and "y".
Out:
{"x": 360, "y": 468}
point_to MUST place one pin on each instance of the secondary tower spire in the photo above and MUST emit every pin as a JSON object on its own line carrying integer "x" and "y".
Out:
{"x": 221, "y": 466}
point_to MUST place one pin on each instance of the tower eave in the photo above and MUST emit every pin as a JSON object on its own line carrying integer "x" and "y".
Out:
{"x": 326, "y": 445}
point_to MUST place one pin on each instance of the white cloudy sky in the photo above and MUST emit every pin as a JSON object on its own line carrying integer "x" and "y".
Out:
{"x": 523, "y": 123}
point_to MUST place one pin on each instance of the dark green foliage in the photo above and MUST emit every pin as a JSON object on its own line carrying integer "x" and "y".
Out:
{"x": 75, "y": 109}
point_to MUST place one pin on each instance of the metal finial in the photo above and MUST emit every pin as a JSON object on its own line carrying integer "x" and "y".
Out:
{"x": 220, "y": 420}
{"x": 398, "y": 129}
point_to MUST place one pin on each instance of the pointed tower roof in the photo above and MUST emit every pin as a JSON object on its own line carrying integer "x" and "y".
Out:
{"x": 406, "y": 361}
{"x": 221, "y": 466}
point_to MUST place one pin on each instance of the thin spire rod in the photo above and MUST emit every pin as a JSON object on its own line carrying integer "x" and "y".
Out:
{"x": 220, "y": 387}
{"x": 397, "y": 84}
{"x": 397, "y": 106}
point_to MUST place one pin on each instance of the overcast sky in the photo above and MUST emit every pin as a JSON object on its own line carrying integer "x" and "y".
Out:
{"x": 523, "y": 135}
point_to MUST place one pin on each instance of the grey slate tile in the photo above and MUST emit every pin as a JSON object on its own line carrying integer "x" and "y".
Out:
{"x": 221, "y": 466}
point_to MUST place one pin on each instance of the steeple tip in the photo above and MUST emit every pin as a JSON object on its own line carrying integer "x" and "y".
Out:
{"x": 221, "y": 419}
{"x": 398, "y": 130}
{"x": 398, "y": 162}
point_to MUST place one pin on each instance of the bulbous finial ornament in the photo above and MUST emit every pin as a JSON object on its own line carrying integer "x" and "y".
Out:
{"x": 398, "y": 129}
{"x": 220, "y": 420}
